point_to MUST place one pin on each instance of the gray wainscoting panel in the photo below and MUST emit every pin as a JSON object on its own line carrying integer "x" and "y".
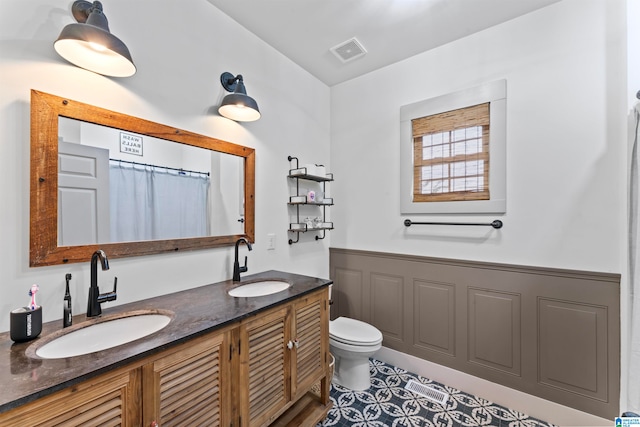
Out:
{"x": 548, "y": 332}
{"x": 573, "y": 347}
{"x": 494, "y": 329}
{"x": 386, "y": 306}
{"x": 347, "y": 298}
{"x": 434, "y": 321}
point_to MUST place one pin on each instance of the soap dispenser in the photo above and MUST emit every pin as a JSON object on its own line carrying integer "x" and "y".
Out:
{"x": 67, "y": 316}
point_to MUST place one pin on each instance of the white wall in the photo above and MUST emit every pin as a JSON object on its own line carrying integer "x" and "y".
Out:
{"x": 567, "y": 109}
{"x": 566, "y": 141}
{"x": 180, "y": 50}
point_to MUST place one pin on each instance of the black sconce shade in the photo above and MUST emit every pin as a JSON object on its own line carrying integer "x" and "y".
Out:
{"x": 90, "y": 45}
{"x": 238, "y": 105}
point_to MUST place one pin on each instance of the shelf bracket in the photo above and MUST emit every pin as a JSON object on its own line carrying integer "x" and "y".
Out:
{"x": 291, "y": 241}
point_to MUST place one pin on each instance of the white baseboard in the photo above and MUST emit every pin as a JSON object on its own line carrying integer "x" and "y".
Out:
{"x": 533, "y": 406}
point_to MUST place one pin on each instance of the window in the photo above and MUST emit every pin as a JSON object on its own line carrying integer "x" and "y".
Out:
{"x": 453, "y": 152}
{"x": 451, "y": 155}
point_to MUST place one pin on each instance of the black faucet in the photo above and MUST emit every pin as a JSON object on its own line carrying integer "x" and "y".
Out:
{"x": 95, "y": 297}
{"x": 236, "y": 265}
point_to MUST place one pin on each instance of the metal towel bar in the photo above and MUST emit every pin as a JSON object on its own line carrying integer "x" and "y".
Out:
{"x": 495, "y": 224}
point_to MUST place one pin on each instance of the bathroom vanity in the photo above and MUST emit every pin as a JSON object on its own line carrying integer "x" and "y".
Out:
{"x": 221, "y": 360}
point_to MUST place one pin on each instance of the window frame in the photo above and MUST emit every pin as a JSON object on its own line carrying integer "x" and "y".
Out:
{"x": 493, "y": 93}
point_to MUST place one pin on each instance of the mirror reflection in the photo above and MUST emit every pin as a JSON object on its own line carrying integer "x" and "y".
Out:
{"x": 119, "y": 186}
{"x": 155, "y": 189}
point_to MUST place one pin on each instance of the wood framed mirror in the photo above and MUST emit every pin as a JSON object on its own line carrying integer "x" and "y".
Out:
{"x": 46, "y": 245}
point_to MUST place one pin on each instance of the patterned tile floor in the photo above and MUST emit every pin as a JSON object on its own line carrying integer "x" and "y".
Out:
{"x": 388, "y": 404}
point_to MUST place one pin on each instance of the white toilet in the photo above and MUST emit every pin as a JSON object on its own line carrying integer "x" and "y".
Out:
{"x": 352, "y": 342}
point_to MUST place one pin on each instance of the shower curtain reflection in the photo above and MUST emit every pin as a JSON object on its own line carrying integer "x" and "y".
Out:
{"x": 149, "y": 203}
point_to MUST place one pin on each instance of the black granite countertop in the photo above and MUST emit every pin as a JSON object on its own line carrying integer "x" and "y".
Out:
{"x": 197, "y": 311}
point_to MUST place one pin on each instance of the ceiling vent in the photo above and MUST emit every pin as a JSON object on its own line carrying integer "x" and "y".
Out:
{"x": 349, "y": 50}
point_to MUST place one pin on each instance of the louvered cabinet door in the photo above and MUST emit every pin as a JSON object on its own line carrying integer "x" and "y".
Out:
{"x": 108, "y": 400}
{"x": 264, "y": 368}
{"x": 310, "y": 335}
{"x": 189, "y": 386}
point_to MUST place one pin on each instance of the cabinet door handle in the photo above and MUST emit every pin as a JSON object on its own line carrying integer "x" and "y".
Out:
{"x": 289, "y": 345}
{"x": 296, "y": 343}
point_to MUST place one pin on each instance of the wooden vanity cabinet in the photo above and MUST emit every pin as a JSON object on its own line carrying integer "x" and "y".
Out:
{"x": 186, "y": 385}
{"x": 255, "y": 372}
{"x": 189, "y": 385}
{"x": 112, "y": 399}
{"x": 264, "y": 367}
{"x": 283, "y": 353}
{"x": 310, "y": 336}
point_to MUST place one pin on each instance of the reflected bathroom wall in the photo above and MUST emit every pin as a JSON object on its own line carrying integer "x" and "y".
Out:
{"x": 207, "y": 198}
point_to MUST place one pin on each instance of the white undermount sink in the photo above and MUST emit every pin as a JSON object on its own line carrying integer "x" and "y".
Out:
{"x": 259, "y": 289}
{"x": 103, "y": 334}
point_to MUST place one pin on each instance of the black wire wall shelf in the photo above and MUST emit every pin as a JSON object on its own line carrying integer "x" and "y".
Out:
{"x": 320, "y": 223}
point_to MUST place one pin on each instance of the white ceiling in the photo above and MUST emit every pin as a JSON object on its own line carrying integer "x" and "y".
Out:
{"x": 390, "y": 30}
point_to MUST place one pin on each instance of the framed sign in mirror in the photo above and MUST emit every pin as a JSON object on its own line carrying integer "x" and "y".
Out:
{"x": 129, "y": 186}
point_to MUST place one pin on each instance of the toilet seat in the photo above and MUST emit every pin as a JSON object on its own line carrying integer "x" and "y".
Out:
{"x": 354, "y": 332}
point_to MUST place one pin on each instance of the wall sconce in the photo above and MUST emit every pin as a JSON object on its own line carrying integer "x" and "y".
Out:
{"x": 90, "y": 45}
{"x": 237, "y": 106}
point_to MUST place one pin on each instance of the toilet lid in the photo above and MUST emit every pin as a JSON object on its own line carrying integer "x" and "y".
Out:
{"x": 354, "y": 332}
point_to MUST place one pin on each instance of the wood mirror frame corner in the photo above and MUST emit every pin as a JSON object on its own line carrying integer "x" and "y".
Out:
{"x": 44, "y": 250}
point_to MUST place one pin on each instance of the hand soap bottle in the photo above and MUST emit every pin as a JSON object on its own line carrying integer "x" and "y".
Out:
{"x": 67, "y": 316}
